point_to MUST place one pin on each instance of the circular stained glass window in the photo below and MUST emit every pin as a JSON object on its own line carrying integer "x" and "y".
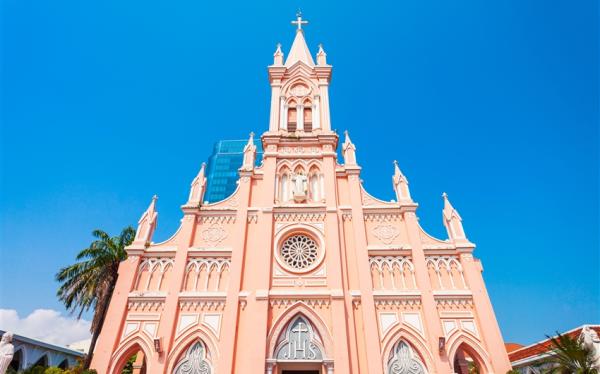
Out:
{"x": 299, "y": 251}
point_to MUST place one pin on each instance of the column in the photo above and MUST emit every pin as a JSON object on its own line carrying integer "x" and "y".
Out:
{"x": 488, "y": 325}
{"x": 431, "y": 320}
{"x": 300, "y": 117}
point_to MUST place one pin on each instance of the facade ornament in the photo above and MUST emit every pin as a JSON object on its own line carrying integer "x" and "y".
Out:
{"x": 401, "y": 185}
{"x": 214, "y": 235}
{"x": 194, "y": 361}
{"x": 348, "y": 150}
{"x": 405, "y": 361}
{"x": 7, "y": 351}
{"x": 386, "y": 233}
{"x": 590, "y": 340}
{"x": 300, "y": 191}
{"x": 198, "y": 187}
{"x": 299, "y": 343}
{"x": 452, "y": 221}
{"x": 146, "y": 225}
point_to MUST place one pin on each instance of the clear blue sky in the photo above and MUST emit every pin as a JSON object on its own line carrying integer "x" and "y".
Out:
{"x": 105, "y": 103}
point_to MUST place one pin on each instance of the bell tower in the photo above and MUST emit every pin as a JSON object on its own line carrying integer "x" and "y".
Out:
{"x": 299, "y": 88}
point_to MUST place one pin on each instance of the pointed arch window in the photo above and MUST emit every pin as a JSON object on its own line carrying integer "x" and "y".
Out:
{"x": 194, "y": 361}
{"x": 307, "y": 116}
{"x": 292, "y": 120}
{"x": 299, "y": 342}
{"x": 403, "y": 360}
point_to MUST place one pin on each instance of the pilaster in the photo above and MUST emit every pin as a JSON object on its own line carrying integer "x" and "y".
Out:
{"x": 490, "y": 330}
{"x": 169, "y": 316}
{"x": 431, "y": 320}
{"x": 231, "y": 312}
{"x": 371, "y": 331}
{"x": 117, "y": 313}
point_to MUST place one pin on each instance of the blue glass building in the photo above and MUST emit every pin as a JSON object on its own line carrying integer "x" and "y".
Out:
{"x": 222, "y": 169}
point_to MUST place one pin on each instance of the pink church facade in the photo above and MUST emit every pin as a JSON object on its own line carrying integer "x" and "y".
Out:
{"x": 301, "y": 270}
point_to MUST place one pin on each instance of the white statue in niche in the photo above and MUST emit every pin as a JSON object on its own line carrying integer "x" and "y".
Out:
{"x": 590, "y": 340}
{"x": 300, "y": 187}
{"x": 7, "y": 351}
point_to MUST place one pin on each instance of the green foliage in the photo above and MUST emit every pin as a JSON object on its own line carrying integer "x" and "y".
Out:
{"x": 35, "y": 370}
{"x": 570, "y": 356}
{"x": 54, "y": 370}
{"x": 128, "y": 368}
{"x": 90, "y": 281}
{"x": 513, "y": 371}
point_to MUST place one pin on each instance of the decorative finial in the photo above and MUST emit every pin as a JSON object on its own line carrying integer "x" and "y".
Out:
{"x": 154, "y": 198}
{"x": 299, "y": 22}
{"x": 445, "y": 195}
{"x": 396, "y": 163}
{"x": 346, "y": 133}
{"x": 251, "y": 134}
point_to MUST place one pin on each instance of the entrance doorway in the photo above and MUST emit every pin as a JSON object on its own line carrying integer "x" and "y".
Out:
{"x": 300, "y": 372}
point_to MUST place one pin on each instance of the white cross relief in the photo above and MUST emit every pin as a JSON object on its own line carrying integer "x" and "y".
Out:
{"x": 299, "y": 20}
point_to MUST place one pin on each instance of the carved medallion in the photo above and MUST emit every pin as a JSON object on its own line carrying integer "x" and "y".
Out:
{"x": 215, "y": 234}
{"x": 386, "y": 233}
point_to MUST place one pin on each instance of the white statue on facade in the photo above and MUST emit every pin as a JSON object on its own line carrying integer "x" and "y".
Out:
{"x": 590, "y": 340}
{"x": 300, "y": 187}
{"x": 7, "y": 351}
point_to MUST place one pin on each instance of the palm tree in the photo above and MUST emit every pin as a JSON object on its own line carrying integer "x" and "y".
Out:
{"x": 570, "y": 356}
{"x": 89, "y": 282}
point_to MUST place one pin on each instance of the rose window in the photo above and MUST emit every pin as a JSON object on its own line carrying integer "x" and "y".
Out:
{"x": 299, "y": 251}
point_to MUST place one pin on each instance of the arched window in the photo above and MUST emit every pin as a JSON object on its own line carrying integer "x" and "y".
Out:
{"x": 403, "y": 360}
{"x": 292, "y": 120}
{"x": 284, "y": 189}
{"x": 314, "y": 188}
{"x": 194, "y": 361}
{"x": 307, "y": 112}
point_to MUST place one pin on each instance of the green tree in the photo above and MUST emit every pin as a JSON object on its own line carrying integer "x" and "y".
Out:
{"x": 570, "y": 356}
{"x": 90, "y": 281}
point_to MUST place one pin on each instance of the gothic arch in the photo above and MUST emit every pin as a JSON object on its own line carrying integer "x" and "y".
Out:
{"x": 471, "y": 346}
{"x": 405, "y": 333}
{"x": 296, "y": 310}
{"x": 127, "y": 349}
{"x": 23, "y": 362}
{"x": 185, "y": 341}
{"x": 305, "y": 80}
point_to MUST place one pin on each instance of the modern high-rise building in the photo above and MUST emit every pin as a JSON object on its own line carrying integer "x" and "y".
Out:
{"x": 301, "y": 270}
{"x": 222, "y": 170}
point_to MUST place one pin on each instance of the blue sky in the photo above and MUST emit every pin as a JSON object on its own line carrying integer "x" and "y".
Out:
{"x": 105, "y": 103}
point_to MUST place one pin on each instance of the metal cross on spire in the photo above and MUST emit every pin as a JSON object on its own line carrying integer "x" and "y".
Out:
{"x": 299, "y": 20}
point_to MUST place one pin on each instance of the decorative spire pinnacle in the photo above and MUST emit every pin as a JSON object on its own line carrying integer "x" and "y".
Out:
{"x": 197, "y": 188}
{"x": 146, "y": 224}
{"x": 452, "y": 221}
{"x": 299, "y": 22}
{"x": 401, "y": 185}
{"x": 321, "y": 56}
{"x": 249, "y": 154}
{"x": 348, "y": 150}
{"x": 278, "y": 56}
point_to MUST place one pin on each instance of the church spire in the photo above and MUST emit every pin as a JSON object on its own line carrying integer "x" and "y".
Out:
{"x": 147, "y": 225}
{"x": 299, "y": 50}
{"x": 452, "y": 221}
{"x": 401, "y": 185}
